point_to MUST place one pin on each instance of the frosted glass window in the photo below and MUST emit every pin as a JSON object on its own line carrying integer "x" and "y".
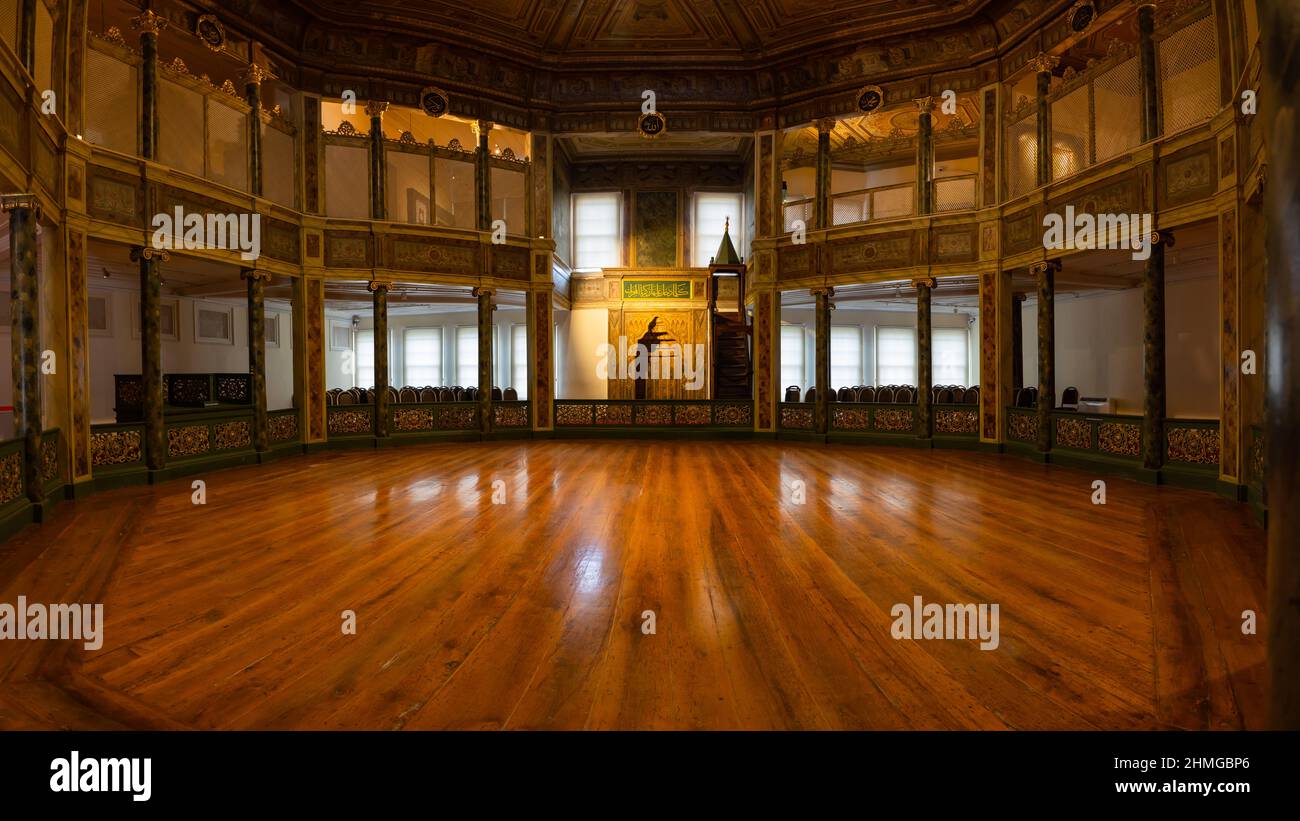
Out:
{"x": 519, "y": 359}
{"x": 597, "y": 230}
{"x": 227, "y": 145}
{"x": 948, "y": 356}
{"x": 846, "y": 356}
{"x": 407, "y": 187}
{"x": 792, "y": 356}
{"x": 453, "y": 186}
{"x": 712, "y": 211}
{"x": 180, "y": 127}
{"x": 508, "y": 198}
{"x": 112, "y": 111}
{"x": 365, "y": 359}
{"x": 422, "y": 356}
{"x": 466, "y": 355}
{"x": 347, "y": 182}
{"x": 895, "y": 356}
{"x": 278, "y": 166}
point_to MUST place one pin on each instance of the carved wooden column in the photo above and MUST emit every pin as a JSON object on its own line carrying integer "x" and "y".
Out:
{"x": 1043, "y": 65}
{"x": 380, "y": 291}
{"x": 1045, "y": 274}
{"x": 485, "y": 309}
{"x": 155, "y": 430}
{"x": 1017, "y": 342}
{"x": 25, "y": 329}
{"x": 541, "y": 357}
{"x": 253, "y": 77}
{"x": 309, "y": 331}
{"x": 257, "y": 352}
{"x": 822, "y": 199}
{"x": 78, "y": 355}
{"x": 924, "y": 339}
{"x": 1153, "y": 352}
{"x": 1280, "y": 28}
{"x": 1148, "y": 78}
{"x": 482, "y": 176}
{"x": 822, "y": 358}
{"x": 995, "y": 353}
{"x": 375, "y": 111}
{"x": 925, "y": 156}
{"x": 149, "y": 25}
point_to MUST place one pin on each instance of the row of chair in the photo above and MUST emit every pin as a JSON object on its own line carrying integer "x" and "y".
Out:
{"x": 454, "y": 393}
{"x": 1027, "y": 397}
{"x": 891, "y": 394}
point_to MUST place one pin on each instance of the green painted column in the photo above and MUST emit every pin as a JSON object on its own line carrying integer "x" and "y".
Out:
{"x": 1042, "y": 66}
{"x": 1045, "y": 275}
{"x": 1153, "y": 353}
{"x": 485, "y": 309}
{"x": 822, "y": 181}
{"x": 1149, "y": 75}
{"x": 149, "y": 25}
{"x": 925, "y": 156}
{"x": 375, "y": 110}
{"x": 257, "y": 352}
{"x": 25, "y": 336}
{"x": 380, "y": 291}
{"x": 822, "y": 359}
{"x": 253, "y": 77}
{"x": 27, "y": 35}
{"x": 483, "y": 176}
{"x": 924, "y": 341}
{"x": 155, "y": 430}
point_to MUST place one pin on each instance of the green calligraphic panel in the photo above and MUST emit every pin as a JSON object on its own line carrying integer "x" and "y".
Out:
{"x": 656, "y": 289}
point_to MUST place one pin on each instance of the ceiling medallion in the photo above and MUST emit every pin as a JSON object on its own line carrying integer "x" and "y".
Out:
{"x": 434, "y": 101}
{"x": 1081, "y": 15}
{"x": 652, "y": 124}
{"x": 870, "y": 98}
{"x": 211, "y": 32}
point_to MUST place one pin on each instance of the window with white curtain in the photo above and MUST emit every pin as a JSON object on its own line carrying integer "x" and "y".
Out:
{"x": 792, "y": 354}
{"x": 895, "y": 356}
{"x": 712, "y": 210}
{"x": 422, "y": 356}
{"x": 948, "y": 354}
{"x": 846, "y": 356}
{"x": 467, "y": 355}
{"x": 598, "y": 230}
{"x": 365, "y": 359}
{"x": 519, "y": 359}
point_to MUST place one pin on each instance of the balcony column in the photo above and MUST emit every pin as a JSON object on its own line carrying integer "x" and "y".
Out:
{"x": 149, "y": 25}
{"x": 925, "y": 156}
{"x": 482, "y": 176}
{"x": 1017, "y": 342}
{"x": 25, "y": 329}
{"x": 380, "y": 291}
{"x": 485, "y": 309}
{"x": 253, "y": 77}
{"x": 375, "y": 111}
{"x": 1045, "y": 275}
{"x": 155, "y": 430}
{"x": 1043, "y": 65}
{"x": 822, "y": 358}
{"x": 1147, "y": 66}
{"x": 822, "y": 191}
{"x": 924, "y": 340}
{"x": 1153, "y": 352}
{"x": 257, "y": 352}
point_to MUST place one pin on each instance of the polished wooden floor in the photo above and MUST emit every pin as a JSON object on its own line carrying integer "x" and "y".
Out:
{"x": 529, "y": 614}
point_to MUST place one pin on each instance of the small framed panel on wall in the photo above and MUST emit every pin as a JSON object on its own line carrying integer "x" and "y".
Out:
{"x": 214, "y": 324}
{"x": 168, "y": 320}
{"x": 340, "y": 336}
{"x": 657, "y": 222}
{"x": 271, "y": 330}
{"x": 99, "y": 314}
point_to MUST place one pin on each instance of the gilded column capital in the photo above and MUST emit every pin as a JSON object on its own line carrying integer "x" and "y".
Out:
{"x": 822, "y": 290}
{"x": 924, "y": 104}
{"x": 254, "y": 274}
{"x": 485, "y": 292}
{"x": 376, "y": 285}
{"x": 149, "y": 23}
{"x": 925, "y": 282}
{"x": 255, "y": 74}
{"x": 825, "y": 125}
{"x": 481, "y": 127}
{"x": 1162, "y": 237}
{"x": 148, "y": 253}
{"x": 1044, "y": 62}
{"x": 1038, "y": 269}
{"x": 13, "y": 202}
{"x": 376, "y": 108}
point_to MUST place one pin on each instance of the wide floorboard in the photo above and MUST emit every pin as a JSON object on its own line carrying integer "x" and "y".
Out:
{"x": 515, "y": 585}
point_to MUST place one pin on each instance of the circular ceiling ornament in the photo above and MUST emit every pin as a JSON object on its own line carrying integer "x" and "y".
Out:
{"x": 870, "y": 98}
{"x": 652, "y": 124}
{"x": 434, "y": 101}
{"x": 211, "y": 32}
{"x": 1081, "y": 16}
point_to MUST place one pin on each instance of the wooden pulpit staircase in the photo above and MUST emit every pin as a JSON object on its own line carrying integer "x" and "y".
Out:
{"x": 730, "y": 331}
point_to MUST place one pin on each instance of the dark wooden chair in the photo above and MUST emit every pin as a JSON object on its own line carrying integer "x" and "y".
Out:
{"x": 846, "y": 394}
{"x": 496, "y": 394}
{"x": 446, "y": 395}
{"x": 792, "y": 393}
{"x": 971, "y": 396}
{"x": 345, "y": 398}
{"x": 408, "y": 394}
{"x": 867, "y": 393}
{"x": 811, "y": 396}
{"x": 428, "y": 395}
{"x": 510, "y": 395}
{"x": 885, "y": 395}
{"x": 1070, "y": 397}
{"x": 944, "y": 397}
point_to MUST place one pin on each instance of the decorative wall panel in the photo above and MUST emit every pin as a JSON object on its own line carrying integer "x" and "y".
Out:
{"x": 656, "y": 228}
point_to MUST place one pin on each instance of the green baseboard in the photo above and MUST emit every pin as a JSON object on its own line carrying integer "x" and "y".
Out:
{"x": 653, "y": 433}
{"x": 15, "y": 519}
{"x": 189, "y": 467}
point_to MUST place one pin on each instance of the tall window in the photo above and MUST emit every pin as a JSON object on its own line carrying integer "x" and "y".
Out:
{"x": 948, "y": 356}
{"x": 712, "y": 211}
{"x": 519, "y": 359}
{"x": 466, "y": 355}
{"x": 791, "y": 356}
{"x": 846, "y": 356}
{"x": 422, "y": 356}
{"x": 895, "y": 356}
{"x": 597, "y": 230}
{"x": 365, "y": 359}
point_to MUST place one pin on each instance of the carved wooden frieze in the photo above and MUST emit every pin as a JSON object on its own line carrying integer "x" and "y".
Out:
{"x": 436, "y": 255}
{"x": 280, "y": 240}
{"x": 115, "y": 197}
{"x": 1111, "y": 196}
{"x": 897, "y": 249}
{"x": 957, "y": 244}
{"x": 795, "y": 261}
{"x": 348, "y": 249}
{"x": 509, "y": 262}
{"x": 1188, "y": 176}
{"x": 1022, "y": 232}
